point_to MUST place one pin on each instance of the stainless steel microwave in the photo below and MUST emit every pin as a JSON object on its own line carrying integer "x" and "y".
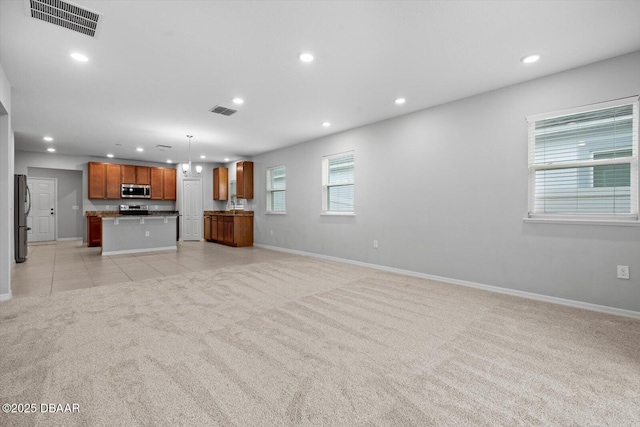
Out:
{"x": 136, "y": 191}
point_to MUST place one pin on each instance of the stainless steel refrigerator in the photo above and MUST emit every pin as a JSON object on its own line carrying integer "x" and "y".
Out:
{"x": 21, "y": 208}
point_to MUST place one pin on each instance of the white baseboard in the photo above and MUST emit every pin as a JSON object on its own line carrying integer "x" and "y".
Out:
{"x": 523, "y": 294}
{"x": 136, "y": 251}
{"x": 65, "y": 239}
{"x": 5, "y": 297}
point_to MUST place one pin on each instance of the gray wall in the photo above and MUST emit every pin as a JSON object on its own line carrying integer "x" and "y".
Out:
{"x": 69, "y": 194}
{"x": 444, "y": 190}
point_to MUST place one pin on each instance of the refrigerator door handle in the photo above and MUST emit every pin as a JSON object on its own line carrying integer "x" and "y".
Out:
{"x": 29, "y": 199}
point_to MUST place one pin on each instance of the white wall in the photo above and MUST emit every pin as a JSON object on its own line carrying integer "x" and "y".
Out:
{"x": 6, "y": 187}
{"x": 444, "y": 191}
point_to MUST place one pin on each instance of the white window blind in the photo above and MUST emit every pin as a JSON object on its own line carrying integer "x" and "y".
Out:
{"x": 584, "y": 162}
{"x": 338, "y": 175}
{"x": 276, "y": 189}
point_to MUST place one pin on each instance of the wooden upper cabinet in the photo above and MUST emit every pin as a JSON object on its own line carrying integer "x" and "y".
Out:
{"x": 113, "y": 188}
{"x": 244, "y": 180}
{"x": 143, "y": 175}
{"x": 157, "y": 183}
{"x": 97, "y": 180}
{"x": 169, "y": 182}
{"x": 220, "y": 184}
{"x": 128, "y": 174}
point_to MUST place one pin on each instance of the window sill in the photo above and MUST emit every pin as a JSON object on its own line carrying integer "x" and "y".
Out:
{"x": 275, "y": 213}
{"x": 572, "y": 221}
{"x": 337, "y": 214}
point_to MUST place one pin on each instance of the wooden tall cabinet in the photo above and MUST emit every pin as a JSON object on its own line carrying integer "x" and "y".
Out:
{"x": 169, "y": 178}
{"x": 113, "y": 190}
{"x": 244, "y": 180}
{"x": 157, "y": 183}
{"x": 104, "y": 181}
{"x": 220, "y": 184}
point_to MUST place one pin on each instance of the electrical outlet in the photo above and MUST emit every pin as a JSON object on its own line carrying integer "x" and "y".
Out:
{"x": 146, "y": 234}
{"x": 623, "y": 272}
{"x": 375, "y": 244}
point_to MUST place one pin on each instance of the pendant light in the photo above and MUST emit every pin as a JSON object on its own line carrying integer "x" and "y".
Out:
{"x": 186, "y": 167}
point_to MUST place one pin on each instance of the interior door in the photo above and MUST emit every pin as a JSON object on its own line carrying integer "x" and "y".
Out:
{"x": 41, "y": 219}
{"x": 191, "y": 209}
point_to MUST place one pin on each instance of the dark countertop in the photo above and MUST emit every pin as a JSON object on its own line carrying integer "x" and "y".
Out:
{"x": 110, "y": 214}
{"x": 229, "y": 213}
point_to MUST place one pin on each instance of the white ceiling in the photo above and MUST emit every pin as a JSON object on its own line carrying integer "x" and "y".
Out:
{"x": 157, "y": 67}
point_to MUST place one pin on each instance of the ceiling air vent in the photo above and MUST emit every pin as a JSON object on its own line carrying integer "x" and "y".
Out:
{"x": 218, "y": 109}
{"x": 163, "y": 147}
{"x": 64, "y": 14}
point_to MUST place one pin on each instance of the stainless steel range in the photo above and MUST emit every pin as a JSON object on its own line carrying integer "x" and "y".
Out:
{"x": 134, "y": 209}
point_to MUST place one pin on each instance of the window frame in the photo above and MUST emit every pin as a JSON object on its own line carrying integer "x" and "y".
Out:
{"x": 271, "y": 191}
{"x": 326, "y": 186}
{"x": 631, "y": 218}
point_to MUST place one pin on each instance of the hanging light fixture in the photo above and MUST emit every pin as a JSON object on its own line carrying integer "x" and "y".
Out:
{"x": 186, "y": 167}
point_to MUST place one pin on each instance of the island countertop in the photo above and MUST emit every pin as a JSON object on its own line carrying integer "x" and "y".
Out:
{"x": 111, "y": 214}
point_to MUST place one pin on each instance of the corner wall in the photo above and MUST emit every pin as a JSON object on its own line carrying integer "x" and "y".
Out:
{"x": 444, "y": 191}
{"x": 6, "y": 188}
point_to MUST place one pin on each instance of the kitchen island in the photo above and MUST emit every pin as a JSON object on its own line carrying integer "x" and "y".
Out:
{"x": 126, "y": 234}
{"x": 122, "y": 234}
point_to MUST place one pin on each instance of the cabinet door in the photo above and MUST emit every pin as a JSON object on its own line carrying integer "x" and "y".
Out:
{"x": 207, "y": 227}
{"x": 244, "y": 180}
{"x": 220, "y": 234}
{"x": 157, "y": 183}
{"x": 94, "y": 231}
{"x": 143, "y": 175}
{"x": 169, "y": 177}
{"x": 128, "y": 174}
{"x": 243, "y": 231}
{"x": 97, "y": 180}
{"x": 220, "y": 183}
{"x": 228, "y": 229}
{"x": 113, "y": 190}
{"x": 214, "y": 227}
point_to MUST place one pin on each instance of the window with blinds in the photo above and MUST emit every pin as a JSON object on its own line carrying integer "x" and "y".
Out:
{"x": 276, "y": 189}
{"x": 338, "y": 183}
{"x": 584, "y": 162}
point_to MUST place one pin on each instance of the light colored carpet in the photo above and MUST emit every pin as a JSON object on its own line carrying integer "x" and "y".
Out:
{"x": 303, "y": 341}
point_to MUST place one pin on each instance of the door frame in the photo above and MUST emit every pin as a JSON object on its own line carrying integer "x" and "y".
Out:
{"x": 55, "y": 205}
{"x": 182, "y": 203}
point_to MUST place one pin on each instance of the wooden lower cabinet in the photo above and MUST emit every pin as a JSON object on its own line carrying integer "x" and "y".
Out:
{"x": 94, "y": 231}
{"x": 231, "y": 230}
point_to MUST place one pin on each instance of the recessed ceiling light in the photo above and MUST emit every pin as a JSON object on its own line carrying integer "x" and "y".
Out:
{"x": 110, "y": 156}
{"x": 79, "y": 57}
{"x": 169, "y": 161}
{"x": 581, "y": 143}
{"x": 226, "y": 159}
{"x": 48, "y": 138}
{"x": 326, "y": 124}
{"x": 400, "y": 101}
{"x": 238, "y": 101}
{"x": 140, "y": 149}
{"x": 51, "y": 150}
{"x": 306, "y": 57}
{"x": 530, "y": 59}
{"x": 203, "y": 156}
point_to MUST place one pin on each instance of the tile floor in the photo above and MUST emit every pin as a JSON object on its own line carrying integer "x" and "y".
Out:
{"x": 61, "y": 266}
